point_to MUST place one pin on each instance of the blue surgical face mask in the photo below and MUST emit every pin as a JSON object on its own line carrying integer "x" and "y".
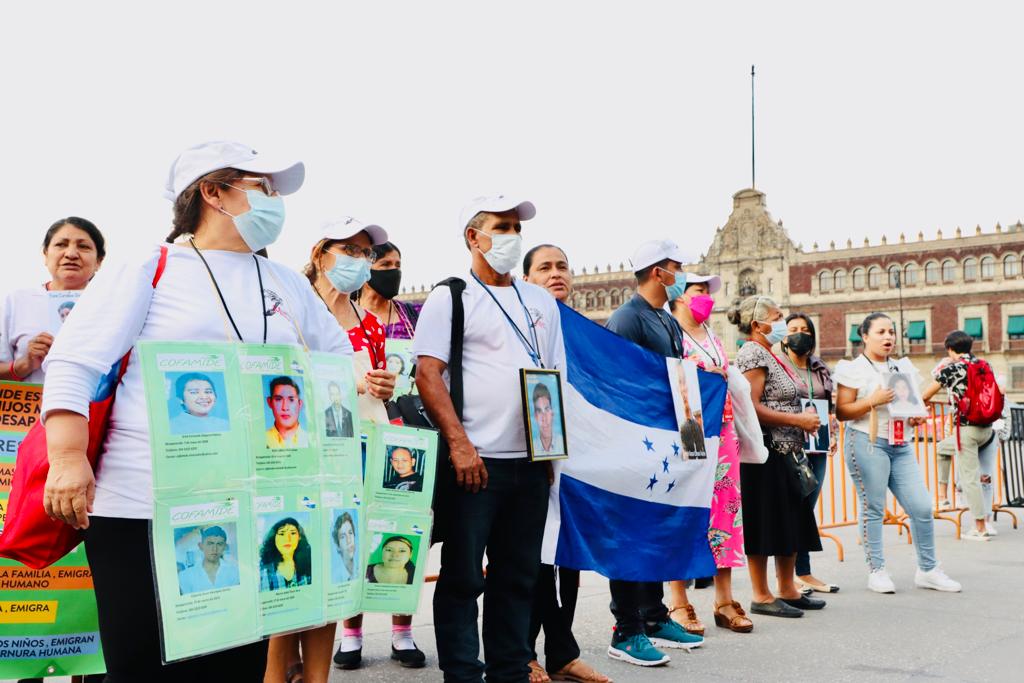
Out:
{"x": 261, "y": 225}
{"x": 676, "y": 289}
{"x": 348, "y": 274}
{"x": 778, "y": 332}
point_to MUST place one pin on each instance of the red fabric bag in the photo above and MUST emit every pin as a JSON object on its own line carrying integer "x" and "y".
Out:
{"x": 29, "y": 535}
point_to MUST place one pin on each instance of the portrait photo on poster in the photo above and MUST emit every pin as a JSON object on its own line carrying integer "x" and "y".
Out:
{"x": 543, "y": 413}
{"x": 338, "y": 420}
{"x": 689, "y": 411}
{"x": 60, "y": 306}
{"x": 392, "y": 558}
{"x": 404, "y": 468}
{"x": 820, "y": 441}
{"x": 906, "y": 400}
{"x": 400, "y": 360}
{"x": 205, "y": 558}
{"x": 197, "y": 403}
{"x": 284, "y": 413}
{"x": 344, "y": 544}
{"x": 286, "y": 552}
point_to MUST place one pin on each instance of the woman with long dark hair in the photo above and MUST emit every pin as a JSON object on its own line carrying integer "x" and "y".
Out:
{"x": 285, "y": 557}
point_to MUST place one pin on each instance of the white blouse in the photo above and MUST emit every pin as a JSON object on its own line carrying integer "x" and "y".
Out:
{"x": 866, "y": 377}
{"x": 26, "y": 314}
{"x": 120, "y": 308}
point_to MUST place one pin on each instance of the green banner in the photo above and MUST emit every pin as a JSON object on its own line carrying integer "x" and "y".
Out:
{"x": 48, "y": 622}
{"x": 263, "y": 522}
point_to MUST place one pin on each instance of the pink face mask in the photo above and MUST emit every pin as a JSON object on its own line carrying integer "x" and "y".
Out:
{"x": 701, "y": 307}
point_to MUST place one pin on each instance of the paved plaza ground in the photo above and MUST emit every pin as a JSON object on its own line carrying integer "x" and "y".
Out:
{"x": 914, "y": 635}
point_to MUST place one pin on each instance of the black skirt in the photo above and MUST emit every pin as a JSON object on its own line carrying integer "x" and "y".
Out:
{"x": 776, "y": 521}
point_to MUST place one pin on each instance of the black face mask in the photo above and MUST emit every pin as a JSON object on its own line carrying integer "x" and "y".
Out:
{"x": 800, "y": 343}
{"x": 386, "y": 282}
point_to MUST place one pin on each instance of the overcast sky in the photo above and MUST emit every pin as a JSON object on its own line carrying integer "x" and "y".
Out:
{"x": 622, "y": 122}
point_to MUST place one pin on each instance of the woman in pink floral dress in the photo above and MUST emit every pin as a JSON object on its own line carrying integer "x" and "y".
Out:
{"x": 725, "y": 533}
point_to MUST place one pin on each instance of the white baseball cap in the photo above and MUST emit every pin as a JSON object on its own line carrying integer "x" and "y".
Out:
{"x": 649, "y": 253}
{"x": 195, "y": 162}
{"x": 714, "y": 282}
{"x": 346, "y": 227}
{"x": 496, "y": 204}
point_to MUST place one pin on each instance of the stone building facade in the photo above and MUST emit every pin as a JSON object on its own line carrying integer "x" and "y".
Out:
{"x": 972, "y": 282}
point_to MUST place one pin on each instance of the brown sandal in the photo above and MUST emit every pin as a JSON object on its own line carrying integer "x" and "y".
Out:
{"x": 578, "y": 671}
{"x": 691, "y": 624}
{"x": 738, "y": 624}
{"x": 537, "y": 673}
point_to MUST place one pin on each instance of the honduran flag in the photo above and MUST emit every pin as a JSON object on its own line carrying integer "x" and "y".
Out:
{"x": 631, "y": 502}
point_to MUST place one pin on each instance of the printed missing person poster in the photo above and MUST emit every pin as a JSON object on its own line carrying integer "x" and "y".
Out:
{"x": 342, "y": 529}
{"x": 48, "y": 621}
{"x": 400, "y": 467}
{"x": 197, "y": 417}
{"x": 290, "y": 557}
{"x": 277, "y": 393}
{"x": 203, "y": 552}
{"x": 401, "y": 361}
{"x": 334, "y": 388}
{"x": 59, "y": 307}
{"x": 395, "y": 545}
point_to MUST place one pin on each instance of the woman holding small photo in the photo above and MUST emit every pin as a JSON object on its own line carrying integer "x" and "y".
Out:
{"x": 879, "y": 461}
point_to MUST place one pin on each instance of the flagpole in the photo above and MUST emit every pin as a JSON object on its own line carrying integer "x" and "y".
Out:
{"x": 753, "y": 167}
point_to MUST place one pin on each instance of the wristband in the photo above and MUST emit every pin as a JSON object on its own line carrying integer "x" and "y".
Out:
{"x": 14, "y": 375}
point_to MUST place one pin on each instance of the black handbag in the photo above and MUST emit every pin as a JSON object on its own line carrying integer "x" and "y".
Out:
{"x": 801, "y": 477}
{"x": 414, "y": 414}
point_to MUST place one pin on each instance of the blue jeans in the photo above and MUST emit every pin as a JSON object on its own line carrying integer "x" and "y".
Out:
{"x": 819, "y": 465}
{"x": 875, "y": 469}
{"x": 505, "y": 521}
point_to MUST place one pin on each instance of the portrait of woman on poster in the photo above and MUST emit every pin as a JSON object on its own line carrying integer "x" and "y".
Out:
{"x": 906, "y": 401}
{"x": 395, "y": 566}
{"x": 285, "y": 557}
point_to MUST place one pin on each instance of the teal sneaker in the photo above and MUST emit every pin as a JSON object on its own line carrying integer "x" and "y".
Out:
{"x": 637, "y": 650}
{"x": 670, "y": 634}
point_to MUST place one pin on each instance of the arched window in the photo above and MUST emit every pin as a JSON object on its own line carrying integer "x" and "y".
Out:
{"x": 858, "y": 278}
{"x": 931, "y": 273}
{"x": 1011, "y": 266}
{"x": 576, "y": 301}
{"x": 615, "y": 298}
{"x": 894, "y": 277}
{"x": 948, "y": 270}
{"x": 874, "y": 277}
{"x": 988, "y": 267}
{"x": 970, "y": 269}
{"x": 589, "y": 302}
{"x": 840, "y": 280}
{"x": 910, "y": 275}
{"x": 600, "y": 299}
{"x": 825, "y": 281}
{"x": 627, "y": 294}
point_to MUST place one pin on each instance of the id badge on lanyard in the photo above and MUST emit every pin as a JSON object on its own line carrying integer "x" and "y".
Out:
{"x": 897, "y": 432}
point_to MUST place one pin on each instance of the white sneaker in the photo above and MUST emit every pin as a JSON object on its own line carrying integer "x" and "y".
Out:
{"x": 990, "y": 530}
{"x": 880, "y": 582}
{"x": 936, "y": 579}
{"x": 975, "y": 535}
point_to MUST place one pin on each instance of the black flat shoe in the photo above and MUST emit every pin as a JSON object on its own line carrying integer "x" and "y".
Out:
{"x": 706, "y": 582}
{"x": 410, "y": 659}
{"x": 776, "y": 608}
{"x": 353, "y": 659}
{"x": 805, "y": 602}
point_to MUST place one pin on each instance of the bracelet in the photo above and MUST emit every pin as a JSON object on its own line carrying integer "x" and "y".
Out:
{"x": 14, "y": 375}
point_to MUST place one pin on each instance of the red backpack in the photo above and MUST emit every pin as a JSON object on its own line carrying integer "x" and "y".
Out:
{"x": 982, "y": 402}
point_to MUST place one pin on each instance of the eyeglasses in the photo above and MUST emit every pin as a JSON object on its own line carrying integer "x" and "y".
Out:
{"x": 264, "y": 184}
{"x": 355, "y": 251}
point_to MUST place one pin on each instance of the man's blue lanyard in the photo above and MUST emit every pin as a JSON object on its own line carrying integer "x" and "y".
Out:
{"x": 532, "y": 349}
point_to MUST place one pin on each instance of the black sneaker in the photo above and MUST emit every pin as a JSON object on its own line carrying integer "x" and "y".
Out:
{"x": 410, "y": 659}
{"x": 353, "y": 659}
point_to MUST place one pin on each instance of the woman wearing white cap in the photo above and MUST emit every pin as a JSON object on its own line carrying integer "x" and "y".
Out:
{"x": 226, "y": 207}
{"x": 339, "y": 264}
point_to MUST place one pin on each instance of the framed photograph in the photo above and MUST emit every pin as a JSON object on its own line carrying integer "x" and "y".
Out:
{"x": 906, "y": 401}
{"x": 821, "y": 441}
{"x": 543, "y": 414}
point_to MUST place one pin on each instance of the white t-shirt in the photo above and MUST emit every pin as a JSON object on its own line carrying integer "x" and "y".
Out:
{"x": 866, "y": 377}
{"x": 492, "y": 355}
{"x": 26, "y": 314}
{"x": 120, "y": 307}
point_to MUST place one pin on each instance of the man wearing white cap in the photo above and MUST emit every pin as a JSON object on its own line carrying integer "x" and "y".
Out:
{"x": 499, "y": 497}
{"x": 642, "y": 623}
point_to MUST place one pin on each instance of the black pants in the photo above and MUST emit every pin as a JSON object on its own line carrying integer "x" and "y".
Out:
{"x": 636, "y": 605}
{"x": 118, "y": 551}
{"x": 505, "y": 520}
{"x": 560, "y": 646}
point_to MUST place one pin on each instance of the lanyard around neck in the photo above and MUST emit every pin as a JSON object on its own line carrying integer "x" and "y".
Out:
{"x": 220, "y": 294}
{"x": 716, "y": 359}
{"x": 531, "y": 348}
{"x": 673, "y": 342}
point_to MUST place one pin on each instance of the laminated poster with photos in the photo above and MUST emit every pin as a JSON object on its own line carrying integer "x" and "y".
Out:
{"x": 260, "y": 524}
